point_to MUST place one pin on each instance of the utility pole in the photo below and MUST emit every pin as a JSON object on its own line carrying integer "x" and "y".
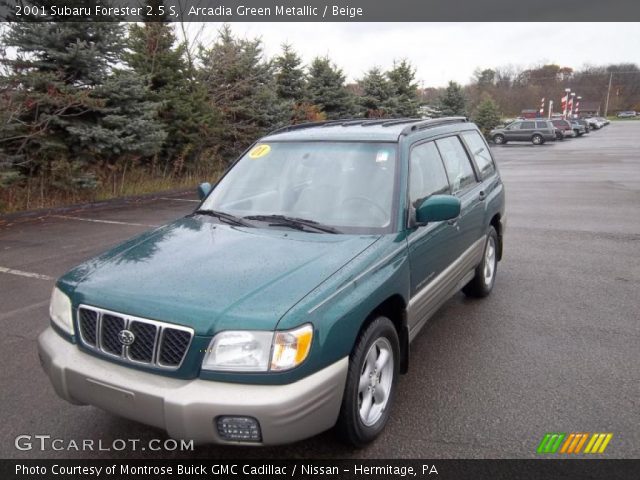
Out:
{"x": 606, "y": 105}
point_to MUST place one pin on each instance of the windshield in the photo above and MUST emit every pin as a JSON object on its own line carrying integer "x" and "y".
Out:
{"x": 346, "y": 185}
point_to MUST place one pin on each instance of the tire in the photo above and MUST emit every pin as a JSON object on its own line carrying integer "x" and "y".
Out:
{"x": 537, "y": 139}
{"x": 482, "y": 283}
{"x": 356, "y": 425}
{"x": 499, "y": 139}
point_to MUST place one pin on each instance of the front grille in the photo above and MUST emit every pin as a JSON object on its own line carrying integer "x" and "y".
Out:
{"x": 88, "y": 326}
{"x": 173, "y": 343}
{"x": 142, "y": 349}
{"x": 110, "y": 327}
{"x": 132, "y": 339}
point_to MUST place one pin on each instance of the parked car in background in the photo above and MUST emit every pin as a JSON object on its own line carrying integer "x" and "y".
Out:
{"x": 534, "y": 131}
{"x": 564, "y": 126}
{"x": 286, "y": 302}
{"x": 584, "y": 123}
{"x": 578, "y": 128}
{"x": 627, "y": 114}
{"x": 605, "y": 121}
{"x": 594, "y": 123}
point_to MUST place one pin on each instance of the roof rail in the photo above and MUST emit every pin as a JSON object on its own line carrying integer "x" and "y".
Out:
{"x": 345, "y": 122}
{"x": 416, "y": 123}
{"x": 432, "y": 122}
{"x": 299, "y": 126}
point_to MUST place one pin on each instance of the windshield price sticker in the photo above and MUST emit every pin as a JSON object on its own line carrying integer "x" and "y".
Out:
{"x": 259, "y": 151}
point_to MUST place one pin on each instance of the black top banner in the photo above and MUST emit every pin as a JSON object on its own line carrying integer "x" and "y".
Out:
{"x": 323, "y": 10}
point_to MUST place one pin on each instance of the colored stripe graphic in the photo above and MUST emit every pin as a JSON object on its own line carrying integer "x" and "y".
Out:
{"x": 598, "y": 443}
{"x": 551, "y": 442}
{"x": 573, "y": 443}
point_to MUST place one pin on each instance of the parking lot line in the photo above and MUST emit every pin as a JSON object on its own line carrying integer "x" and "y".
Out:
{"x": 180, "y": 199}
{"x": 94, "y": 220}
{"x": 25, "y": 274}
{"x": 28, "y": 308}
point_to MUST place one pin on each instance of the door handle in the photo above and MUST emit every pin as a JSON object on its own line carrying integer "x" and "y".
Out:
{"x": 482, "y": 195}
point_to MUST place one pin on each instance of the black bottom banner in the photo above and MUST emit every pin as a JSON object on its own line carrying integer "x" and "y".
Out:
{"x": 321, "y": 469}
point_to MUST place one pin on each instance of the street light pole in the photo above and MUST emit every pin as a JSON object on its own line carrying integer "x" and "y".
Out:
{"x": 606, "y": 105}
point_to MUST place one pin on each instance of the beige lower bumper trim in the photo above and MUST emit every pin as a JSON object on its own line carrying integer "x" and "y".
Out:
{"x": 187, "y": 408}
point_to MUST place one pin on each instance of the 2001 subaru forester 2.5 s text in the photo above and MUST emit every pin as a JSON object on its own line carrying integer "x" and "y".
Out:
{"x": 286, "y": 303}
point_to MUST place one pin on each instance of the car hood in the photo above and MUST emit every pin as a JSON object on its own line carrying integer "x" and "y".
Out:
{"x": 210, "y": 276}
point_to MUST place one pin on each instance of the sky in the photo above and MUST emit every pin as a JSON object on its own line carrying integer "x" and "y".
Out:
{"x": 444, "y": 51}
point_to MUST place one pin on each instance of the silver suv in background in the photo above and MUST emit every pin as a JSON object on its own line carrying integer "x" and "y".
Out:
{"x": 536, "y": 131}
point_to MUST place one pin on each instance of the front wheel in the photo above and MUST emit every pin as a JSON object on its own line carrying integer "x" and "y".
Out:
{"x": 537, "y": 139}
{"x": 374, "y": 366}
{"x": 499, "y": 139}
{"x": 485, "y": 275}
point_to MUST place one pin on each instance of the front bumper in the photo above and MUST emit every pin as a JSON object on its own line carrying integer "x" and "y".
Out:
{"x": 187, "y": 409}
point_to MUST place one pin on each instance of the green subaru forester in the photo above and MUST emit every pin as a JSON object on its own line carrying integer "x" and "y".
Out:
{"x": 286, "y": 303}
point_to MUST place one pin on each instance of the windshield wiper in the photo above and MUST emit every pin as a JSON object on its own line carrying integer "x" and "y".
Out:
{"x": 227, "y": 217}
{"x": 293, "y": 222}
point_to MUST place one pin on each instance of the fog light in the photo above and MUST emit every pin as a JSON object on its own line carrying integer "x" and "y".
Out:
{"x": 239, "y": 429}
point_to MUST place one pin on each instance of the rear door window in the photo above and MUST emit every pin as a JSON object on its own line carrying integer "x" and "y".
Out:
{"x": 426, "y": 173}
{"x": 528, "y": 125}
{"x": 457, "y": 164}
{"x": 480, "y": 153}
{"x": 542, "y": 125}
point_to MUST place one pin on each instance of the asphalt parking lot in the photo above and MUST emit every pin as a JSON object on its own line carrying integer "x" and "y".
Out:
{"x": 555, "y": 348}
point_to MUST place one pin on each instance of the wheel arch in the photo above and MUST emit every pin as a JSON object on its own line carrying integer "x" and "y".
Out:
{"x": 497, "y": 224}
{"x": 395, "y": 309}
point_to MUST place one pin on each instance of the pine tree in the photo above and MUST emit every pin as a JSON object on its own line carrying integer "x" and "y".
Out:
{"x": 326, "y": 89}
{"x": 240, "y": 84}
{"x": 291, "y": 85}
{"x": 376, "y": 93}
{"x": 453, "y": 101}
{"x": 487, "y": 115}
{"x": 190, "y": 122}
{"x": 57, "y": 79}
{"x": 403, "y": 101}
{"x": 290, "y": 76}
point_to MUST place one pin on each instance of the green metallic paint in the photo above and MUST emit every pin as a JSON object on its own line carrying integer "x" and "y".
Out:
{"x": 212, "y": 277}
{"x": 438, "y": 208}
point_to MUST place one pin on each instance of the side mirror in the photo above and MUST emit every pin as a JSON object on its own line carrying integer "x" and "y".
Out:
{"x": 438, "y": 208}
{"x": 203, "y": 190}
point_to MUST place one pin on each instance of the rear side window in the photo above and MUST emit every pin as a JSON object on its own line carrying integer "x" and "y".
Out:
{"x": 426, "y": 173}
{"x": 457, "y": 163}
{"x": 528, "y": 125}
{"x": 542, "y": 125}
{"x": 480, "y": 153}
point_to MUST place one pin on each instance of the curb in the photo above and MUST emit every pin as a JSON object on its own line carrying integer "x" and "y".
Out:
{"x": 112, "y": 202}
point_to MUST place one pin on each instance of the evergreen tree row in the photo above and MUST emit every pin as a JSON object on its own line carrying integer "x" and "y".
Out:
{"x": 81, "y": 101}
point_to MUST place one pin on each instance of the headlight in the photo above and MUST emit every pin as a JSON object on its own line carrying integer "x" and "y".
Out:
{"x": 291, "y": 348}
{"x": 258, "y": 351}
{"x": 241, "y": 351}
{"x": 60, "y": 310}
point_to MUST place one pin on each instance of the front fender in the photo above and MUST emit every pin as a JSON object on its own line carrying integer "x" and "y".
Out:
{"x": 339, "y": 307}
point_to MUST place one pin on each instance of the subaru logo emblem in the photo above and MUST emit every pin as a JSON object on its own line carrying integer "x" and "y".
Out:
{"x": 126, "y": 337}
